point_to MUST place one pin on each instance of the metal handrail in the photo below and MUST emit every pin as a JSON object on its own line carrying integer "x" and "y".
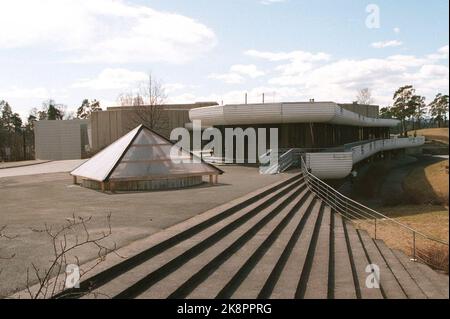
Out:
{"x": 286, "y": 159}
{"x": 347, "y": 207}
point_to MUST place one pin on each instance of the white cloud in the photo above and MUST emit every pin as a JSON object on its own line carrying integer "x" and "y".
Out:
{"x": 238, "y": 73}
{"x": 25, "y": 93}
{"x": 343, "y": 72}
{"x": 22, "y": 99}
{"x": 110, "y": 31}
{"x": 397, "y": 30}
{"x": 297, "y": 61}
{"x": 386, "y": 44}
{"x": 183, "y": 98}
{"x": 441, "y": 54}
{"x": 254, "y": 95}
{"x": 172, "y": 87}
{"x": 113, "y": 78}
{"x": 268, "y": 2}
{"x": 430, "y": 70}
{"x": 249, "y": 70}
{"x": 339, "y": 79}
{"x": 444, "y": 50}
{"x": 230, "y": 78}
{"x": 294, "y": 55}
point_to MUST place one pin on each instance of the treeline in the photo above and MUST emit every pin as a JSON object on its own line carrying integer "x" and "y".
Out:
{"x": 17, "y": 138}
{"x": 414, "y": 113}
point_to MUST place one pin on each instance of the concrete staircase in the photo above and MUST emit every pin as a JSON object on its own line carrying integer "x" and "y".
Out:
{"x": 280, "y": 242}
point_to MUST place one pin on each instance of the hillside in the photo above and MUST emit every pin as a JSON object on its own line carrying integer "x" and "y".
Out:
{"x": 437, "y": 134}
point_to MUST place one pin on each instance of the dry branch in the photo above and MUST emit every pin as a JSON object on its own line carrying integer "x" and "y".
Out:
{"x": 65, "y": 240}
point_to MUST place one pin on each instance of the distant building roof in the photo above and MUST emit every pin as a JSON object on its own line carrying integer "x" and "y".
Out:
{"x": 185, "y": 106}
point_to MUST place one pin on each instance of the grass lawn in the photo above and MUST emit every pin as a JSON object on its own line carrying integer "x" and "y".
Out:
{"x": 428, "y": 184}
{"x": 431, "y": 220}
{"x": 424, "y": 186}
{"x": 438, "y": 134}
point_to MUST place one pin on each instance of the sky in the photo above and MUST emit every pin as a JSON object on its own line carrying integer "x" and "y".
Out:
{"x": 211, "y": 50}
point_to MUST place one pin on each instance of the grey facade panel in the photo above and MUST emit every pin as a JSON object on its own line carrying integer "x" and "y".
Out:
{"x": 365, "y": 110}
{"x": 60, "y": 140}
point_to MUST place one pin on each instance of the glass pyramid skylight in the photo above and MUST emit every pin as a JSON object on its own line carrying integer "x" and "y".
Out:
{"x": 142, "y": 155}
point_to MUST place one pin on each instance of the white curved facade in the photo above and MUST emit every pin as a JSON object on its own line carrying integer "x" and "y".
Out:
{"x": 339, "y": 164}
{"x": 329, "y": 165}
{"x": 271, "y": 113}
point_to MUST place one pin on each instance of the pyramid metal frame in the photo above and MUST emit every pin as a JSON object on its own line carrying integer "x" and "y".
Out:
{"x": 106, "y": 181}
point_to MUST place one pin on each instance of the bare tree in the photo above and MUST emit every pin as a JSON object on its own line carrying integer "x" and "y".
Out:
{"x": 364, "y": 97}
{"x": 3, "y": 235}
{"x": 65, "y": 241}
{"x": 148, "y": 102}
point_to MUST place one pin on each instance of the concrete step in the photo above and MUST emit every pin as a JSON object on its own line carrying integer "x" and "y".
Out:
{"x": 252, "y": 283}
{"x": 285, "y": 277}
{"x": 409, "y": 286}
{"x": 147, "y": 248}
{"x": 192, "y": 244}
{"x": 314, "y": 284}
{"x": 440, "y": 281}
{"x": 360, "y": 262}
{"x": 343, "y": 283}
{"x": 389, "y": 285}
{"x": 427, "y": 287}
{"x": 160, "y": 283}
{"x": 279, "y": 242}
{"x": 237, "y": 266}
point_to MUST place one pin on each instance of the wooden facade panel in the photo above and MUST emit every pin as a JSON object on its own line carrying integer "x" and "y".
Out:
{"x": 108, "y": 126}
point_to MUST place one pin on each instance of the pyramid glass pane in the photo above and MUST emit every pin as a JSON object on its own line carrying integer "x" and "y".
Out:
{"x": 158, "y": 169}
{"x": 100, "y": 165}
{"x": 156, "y": 152}
{"x": 146, "y": 137}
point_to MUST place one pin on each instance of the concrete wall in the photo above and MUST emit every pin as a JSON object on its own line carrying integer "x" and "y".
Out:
{"x": 60, "y": 140}
{"x": 330, "y": 165}
{"x": 339, "y": 164}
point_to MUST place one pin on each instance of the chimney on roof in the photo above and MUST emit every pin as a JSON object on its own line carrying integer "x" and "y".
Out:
{"x": 245, "y": 98}
{"x": 263, "y": 98}
{"x": 311, "y": 100}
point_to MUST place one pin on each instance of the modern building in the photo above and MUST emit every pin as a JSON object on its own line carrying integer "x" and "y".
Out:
{"x": 300, "y": 124}
{"x": 61, "y": 140}
{"x": 333, "y": 137}
{"x": 114, "y": 122}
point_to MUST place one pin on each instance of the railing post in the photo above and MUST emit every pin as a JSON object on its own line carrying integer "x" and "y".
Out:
{"x": 327, "y": 195}
{"x": 335, "y": 201}
{"x": 375, "y": 227}
{"x": 414, "y": 246}
{"x": 346, "y": 207}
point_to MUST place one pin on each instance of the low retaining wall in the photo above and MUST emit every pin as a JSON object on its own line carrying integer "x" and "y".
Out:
{"x": 157, "y": 184}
